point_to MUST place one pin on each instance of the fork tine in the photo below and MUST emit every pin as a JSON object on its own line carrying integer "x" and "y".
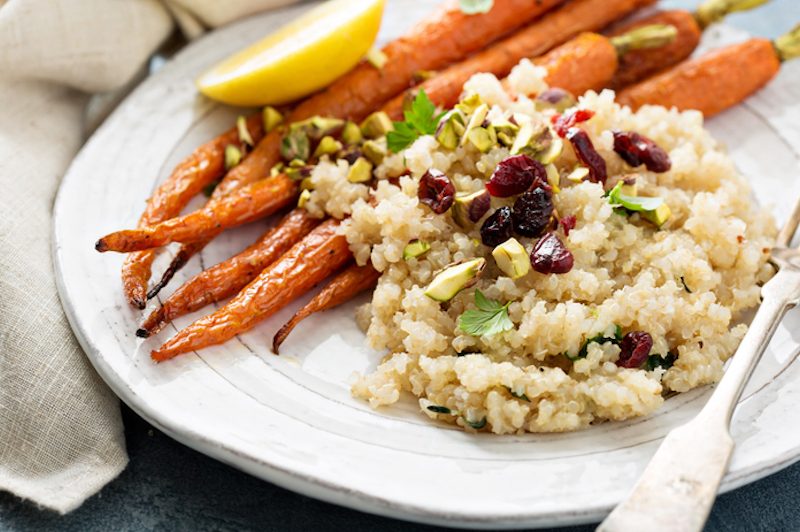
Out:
{"x": 787, "y": 231}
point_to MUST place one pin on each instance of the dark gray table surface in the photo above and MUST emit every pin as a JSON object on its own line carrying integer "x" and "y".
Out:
{"x": 168, "y": 486}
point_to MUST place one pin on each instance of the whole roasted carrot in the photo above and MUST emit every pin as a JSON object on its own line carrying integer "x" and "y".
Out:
{"x": 446, "y": 36}
{"x": 225, "y": 279}
{"x": 341, "y": 289}
{"x": 248, "y": 204}
{"x": 205, "y": 165}
{"x": 322, "y": 252}
{"x": 636, "y": 65}
{"x": 713, "y": 82}
{"x": 551, "y": 30}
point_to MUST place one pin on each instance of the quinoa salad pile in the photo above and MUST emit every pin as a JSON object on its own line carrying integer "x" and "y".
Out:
{"x": 547, "y": 263}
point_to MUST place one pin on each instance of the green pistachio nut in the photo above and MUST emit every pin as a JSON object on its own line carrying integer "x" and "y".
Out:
{"x": 512, "y": 258}
{"x": 360, "y": 171}
{"x": 327, "y": 146}
{"x": 305, "y": 195}
{"x": 415, "y": 248}
{"x": 233, "y": 156}
{"x": 351, "y": 134}
{"x": 455, "y": 278}
{"x": 271, "y": 117}
{"x": 376, "y": 125}
{"x": 375, "y": 150}
{"x": 658, "y": 216}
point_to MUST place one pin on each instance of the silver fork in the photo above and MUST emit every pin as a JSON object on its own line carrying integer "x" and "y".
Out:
{"x": 679, "y": 485}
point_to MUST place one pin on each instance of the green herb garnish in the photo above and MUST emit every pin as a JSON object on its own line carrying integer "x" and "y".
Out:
{"x": 489, "y": 318}
{"x": 420, "y": 119}
{"x": 477, "y": 425}
{"x": 439, "y": 409}
{"x": 632, "y": 203}
{"x": 599, "y": 339}
{"x": 471, "y": 7}
{"x": 518, "y": 395}
{"x": 660, "y": 361}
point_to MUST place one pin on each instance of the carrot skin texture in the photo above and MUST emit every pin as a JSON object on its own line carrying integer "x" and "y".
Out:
{"x": 587, "y": 62}
{"x": 202, "y": 167}
{"x": 342, "y": 288}
{"x": 711, "y": 83}
{"x": 248, "y": 204}
{"x": 226, "y": 278}
{"x": 322, "y": 252}
{"x": 550, "y": 31}
{"x": 637, "y": 65}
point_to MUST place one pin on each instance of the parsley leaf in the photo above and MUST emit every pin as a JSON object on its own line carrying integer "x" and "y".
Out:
{"x": 660, "y": 361}
{"x": 471, "y": 7}
{"x": 489, "y": 318}
{"x": 420, "y": 120}
{"x": 632, "y": 203}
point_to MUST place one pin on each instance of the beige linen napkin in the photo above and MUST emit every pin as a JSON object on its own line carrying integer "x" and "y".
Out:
{"x": 61, "y": 437}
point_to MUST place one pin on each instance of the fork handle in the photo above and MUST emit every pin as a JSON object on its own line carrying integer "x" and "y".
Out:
{"x": 679, "y": 485}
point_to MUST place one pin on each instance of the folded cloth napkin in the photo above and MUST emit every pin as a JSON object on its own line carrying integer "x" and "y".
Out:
{"x": 61, "y": 437}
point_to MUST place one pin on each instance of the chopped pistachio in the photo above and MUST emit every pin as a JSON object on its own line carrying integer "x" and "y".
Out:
{"x": 476, "y": 120}
{"x": 469, "y": 208}
{"x": 469, "y": 104}
{"x": 323, "y": 126}
{"x": 376, "y": 58}
{"x": 297, "y": 173}
{"x": 551, "y": 152}
{"x": 446, "y": 135}
{"x": 351, "y": 134}
{"x": 272, "y": 118}
{"x": 523, "y": 139}
{"x": 244, "y": 133}
{"x": 505, "y": 126}
{"x": 483, "y": 138}
{"x": 455, "y": 278}
{"x": 659, "y": 216}
{"x": 415, "y": 248}
{"x": 375, "y": 150}
{"x": 305, "y": 195}
{"x": 327, "y": 146}
{"x": 295, "y": 145}
{"x": 553, "y": 177}
{"x": 275, "y": 170}
{"x": 296, "y": 163}
{"x": 233, "y": 156}
{"x": 505, "y": 139}
{"x": 512, "y": 259}
{"x": 629, "y": 189}
{"x": 306, "y": 184}
{"x": 360, "y": 171}
{"x": 376, "y": 125}
{"x": 578, "y": 174}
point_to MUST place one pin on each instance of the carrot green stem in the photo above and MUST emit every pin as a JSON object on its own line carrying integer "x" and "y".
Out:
{"x": 712, "y": 11}
{"x": 788, "y": 45}
{"x": 650, "y": 36}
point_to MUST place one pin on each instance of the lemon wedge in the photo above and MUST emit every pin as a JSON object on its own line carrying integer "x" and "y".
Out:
{"x": 299, "y": 58}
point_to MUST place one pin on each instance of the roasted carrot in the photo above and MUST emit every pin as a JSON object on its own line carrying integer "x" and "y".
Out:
{"x": 637, "y": 65}
{"x": 551, "y": 30}
{"x": 711, "y": 83}
{"x": 342, "y": 288}
{"x": 322, "y": 252}
{"x": 225, "y": 279}
{"x": 205, "y": 165}
{"x": 248, "y": 204}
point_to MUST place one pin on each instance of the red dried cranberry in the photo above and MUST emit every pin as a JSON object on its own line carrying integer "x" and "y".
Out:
{"x": 585, "y": 152}
{"x": 568, "y": 223}
{"x": 549, "y": 255}
{"x": 533, "y": 211}
{"x": 436, "y": 191}
{"x": 562, "y": 123}
{"x": 514, "y": 175}
{"x": 556, "y": 96}
{"x": 634, "y": 349}
{"x": 636, "y": 149}
{"x": 497, "y": 227}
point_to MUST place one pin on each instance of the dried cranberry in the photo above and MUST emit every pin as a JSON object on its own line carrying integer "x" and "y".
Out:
{"x": 436, "y": 191}
{"x": 549, "y": 255}
{"x": 497, "y": 227}
{"x": 533, "y": 211}
{"x": 514, "y": 175}
{"x": 636, "y": 149}
{"x": 563, "y": 123}
{"x": 585, "y": 152}
{"x": 555, "y": 96}
{"x": 568, "y": 223}
{"x": 634, "y": 349}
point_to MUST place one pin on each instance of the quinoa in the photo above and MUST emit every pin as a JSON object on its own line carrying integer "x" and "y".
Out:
{"x": 686, "y": 283}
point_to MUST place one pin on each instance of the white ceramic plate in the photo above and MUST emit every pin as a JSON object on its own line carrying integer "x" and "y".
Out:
{"x": 291, "y": 419}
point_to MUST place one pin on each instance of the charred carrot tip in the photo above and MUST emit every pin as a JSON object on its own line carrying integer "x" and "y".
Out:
{"x": 101, "y": 245}
{"x": 142, "y": 333}
{"x": 138, "y": 302}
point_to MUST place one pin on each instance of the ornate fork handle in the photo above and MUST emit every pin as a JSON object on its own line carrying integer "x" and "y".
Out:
{"x": 679, "y": 485}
